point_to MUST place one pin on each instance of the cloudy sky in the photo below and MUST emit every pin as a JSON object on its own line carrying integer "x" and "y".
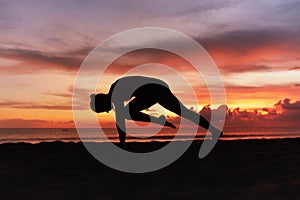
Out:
{"x": 255, "y": 44}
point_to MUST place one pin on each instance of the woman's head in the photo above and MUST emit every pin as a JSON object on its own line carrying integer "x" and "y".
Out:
{"x": 100, "y": 103}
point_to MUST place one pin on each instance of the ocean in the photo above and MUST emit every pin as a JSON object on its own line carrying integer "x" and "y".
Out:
{"x": 36, "y": 135}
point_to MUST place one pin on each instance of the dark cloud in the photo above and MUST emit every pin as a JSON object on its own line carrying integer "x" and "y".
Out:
{"x": 287, "y": 105}
{"x": 246, "y": 50}
{"x": 295, "y": 68}
{"x": 34, "y": 123}
{"x": 143, "y": 56}
{"x": 245, "y": 68}
{"x": 163, "y": 9}
{"x": 238, "y": 88}
{"x": 64, "y": 102}
{"x": 232, "y": 44}
{"x": 41, "y": 58}
{"x": 243, "y": 41}
{"x": 241, "y": 51}
{"x": 25, "y": 105}
{"x": 32, "y": 61}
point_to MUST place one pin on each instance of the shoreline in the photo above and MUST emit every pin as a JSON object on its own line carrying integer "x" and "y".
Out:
{"x": 153, "y": 141}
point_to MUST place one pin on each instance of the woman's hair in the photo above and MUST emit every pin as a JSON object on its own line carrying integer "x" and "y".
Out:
{"x": 92, "y": 102}
{"x": 100, "y": 102}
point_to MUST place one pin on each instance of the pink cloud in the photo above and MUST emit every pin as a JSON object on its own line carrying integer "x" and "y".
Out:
{"x": 282, "y": 114}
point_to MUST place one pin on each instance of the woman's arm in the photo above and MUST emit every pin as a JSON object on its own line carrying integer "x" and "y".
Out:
{"x": 111, "y": 89}
{"x": 120, "y": 122}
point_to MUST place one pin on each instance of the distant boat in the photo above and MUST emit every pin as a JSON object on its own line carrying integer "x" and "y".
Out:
{"x": 65, "y": 130}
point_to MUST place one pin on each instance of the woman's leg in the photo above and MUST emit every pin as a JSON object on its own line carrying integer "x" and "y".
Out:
{"x": 170, "y": 102}
{"x": 138, "y": 104}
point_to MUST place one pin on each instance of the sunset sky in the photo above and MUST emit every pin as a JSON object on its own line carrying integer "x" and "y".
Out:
{"x": 255, "y": 45}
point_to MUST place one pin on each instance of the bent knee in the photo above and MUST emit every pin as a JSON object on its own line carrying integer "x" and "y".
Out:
{"x": 133, "y": 113}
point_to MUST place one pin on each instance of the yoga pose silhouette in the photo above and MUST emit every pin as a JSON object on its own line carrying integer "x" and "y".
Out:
{"x": 143, "y": 92}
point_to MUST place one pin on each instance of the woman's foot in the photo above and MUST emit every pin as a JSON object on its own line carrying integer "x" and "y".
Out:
{"x": 167, "y": 123}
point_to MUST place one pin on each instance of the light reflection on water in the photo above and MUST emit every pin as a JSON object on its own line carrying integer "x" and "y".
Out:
{"x": 36, "y": 135}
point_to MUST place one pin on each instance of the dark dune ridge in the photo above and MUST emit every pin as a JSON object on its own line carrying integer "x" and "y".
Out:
{"x": 240, "y": 169}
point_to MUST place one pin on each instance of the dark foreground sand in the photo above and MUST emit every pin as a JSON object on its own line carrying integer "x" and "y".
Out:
{"x": 252, "y": 169}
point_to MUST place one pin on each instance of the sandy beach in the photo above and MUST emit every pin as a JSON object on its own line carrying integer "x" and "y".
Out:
{"x": 252, "y": 169}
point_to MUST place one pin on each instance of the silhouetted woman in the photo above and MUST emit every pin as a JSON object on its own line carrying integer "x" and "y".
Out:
{"x": 143, "y": 92}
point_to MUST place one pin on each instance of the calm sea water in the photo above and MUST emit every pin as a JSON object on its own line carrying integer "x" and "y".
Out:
{"x": 36, "y": 135}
